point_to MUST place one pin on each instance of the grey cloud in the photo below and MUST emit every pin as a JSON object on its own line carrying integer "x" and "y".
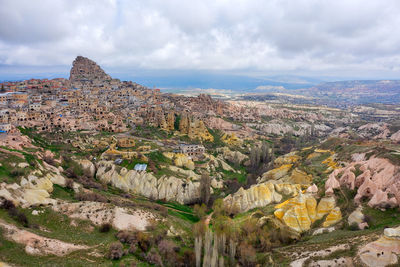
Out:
{"x": 254, "y": 35}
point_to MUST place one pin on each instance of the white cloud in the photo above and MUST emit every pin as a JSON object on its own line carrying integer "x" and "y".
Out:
{"x": 314, "y": 36}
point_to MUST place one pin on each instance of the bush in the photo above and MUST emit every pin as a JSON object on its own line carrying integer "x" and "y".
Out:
{"x": 354, "y": 227}
{"x": 143, "y": 241}
{"x": 154, "y": 258}
{"x": 21, "y": 218}
{"x": 115, "y": 251}
{"x": 105, "y": 228}
{"x": 7, "y": 204}
{"x": 127, "y": 237}
{"x": 247, "y": 254}
{"x": 69, "y": 183}
{"x": 81, "y": 196}
{"x": 132, "y": 248}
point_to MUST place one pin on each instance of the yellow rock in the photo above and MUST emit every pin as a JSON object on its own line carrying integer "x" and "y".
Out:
{"x": 258, "y": 195}
{"x": 323, "y": 151}
{"x": 231, "y": 139}
{"x": 294, "y": 213}
{"x": 311, "y": 205}
{"x": 300, "y": 177}
{"x": 276, "y": 173}
{"x": 180, "y": 160}
{"x": 334, "y": 216}
{"x": 301, "y": 211}
{"x": 332, "y": 164}
{"x": 325, "y": 205}
{"x": 287, "y": 159}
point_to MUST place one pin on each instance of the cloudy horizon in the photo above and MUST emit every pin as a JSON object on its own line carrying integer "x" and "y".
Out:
{"x": 344, "y": 39}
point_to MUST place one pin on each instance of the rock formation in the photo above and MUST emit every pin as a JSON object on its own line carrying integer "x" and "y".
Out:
{"x": 259, "y": 195}
{"x": 146, "y": 184}
{"x": 101, "y": 213}
{"x": 383, "y": 251}
{"x": 232, "y": 156}
{"x": 180, "y": 160}
{"x": 84, "y": 69}
{"x": 38, "y": 245}
{"x": 377, "y": 180}
{"x": 32, "y": 190}
{"x": 301, "y": 211}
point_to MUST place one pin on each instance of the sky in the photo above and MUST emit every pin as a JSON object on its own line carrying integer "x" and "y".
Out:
{"x": 322, "y": 39}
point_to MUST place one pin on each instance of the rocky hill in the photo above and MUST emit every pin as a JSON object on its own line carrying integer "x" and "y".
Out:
{"x": 84, "y": 70}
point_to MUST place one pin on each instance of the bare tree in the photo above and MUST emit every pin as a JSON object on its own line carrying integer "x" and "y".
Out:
{"x": 205, "y": 193}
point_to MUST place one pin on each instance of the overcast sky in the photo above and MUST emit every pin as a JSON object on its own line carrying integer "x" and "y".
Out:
{"x": 344, "y": 38}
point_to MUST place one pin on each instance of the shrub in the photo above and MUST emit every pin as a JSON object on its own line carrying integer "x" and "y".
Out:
{"x": 105, "y": 228}
{"x": 143, "y": 241}
{"x": 154, "y": 258}
{"x": 354, "y": 227}
{"x": 115, "y": 251}
{"x": 69, "y": 183}
{"x": 21, "y": 218}
{"x": 166, "y": 247}
{"x": 132, "y": 248}
{"x": 247, "y": 254}
{"x": 7, "y": 204}
{"x": 127, "y": 237}
{"x": 81, "y": 196}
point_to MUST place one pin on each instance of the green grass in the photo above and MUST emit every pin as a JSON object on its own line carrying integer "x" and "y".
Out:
{"x": 63, "y": 193}
{"x": 184, "y": 216}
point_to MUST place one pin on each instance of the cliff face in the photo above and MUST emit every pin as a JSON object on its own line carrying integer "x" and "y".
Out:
{"x": 259, "y": 195}
{"x": 84, "y": 69}
{"x": 145, "y": 184}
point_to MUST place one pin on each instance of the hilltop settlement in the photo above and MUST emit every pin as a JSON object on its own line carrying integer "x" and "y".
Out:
{"x": 95, "y": 171}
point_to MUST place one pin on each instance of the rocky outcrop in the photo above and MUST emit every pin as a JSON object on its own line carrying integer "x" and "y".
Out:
{"x": 395, "y": 137}
{"x": 84, "y": 69}
{"x": 285, "y": 174}
{"x": 377, "y": 179}
{"x": 38, "y": 245}
{"x": 232, "y": 156}
{"x": 88, "y": 167}
{"x": 180, "y": 160}
{"x": 32, "y": 190}
{"x": 383, "y": 251}
{"x": 146, "y": 184}
{"x": 374, "y": 130}
{"x": 357, "y": 218}
{"x": 300, "y": 212}
{"x": 194, "y": 128}
{"x": 289, "y": 158}
{"x": 231, "y": 139}
{"x": 259, "y": 195}
{"x": 276, "y": 173}
{"x": 101, "y": 213}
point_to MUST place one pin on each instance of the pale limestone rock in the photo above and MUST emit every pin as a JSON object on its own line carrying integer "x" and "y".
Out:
{"x": 100, "y": 213}
{"x": 32, "y": 191}
{"x": 357, "y": 217}
{"x": 188, "y": 173}
{"x": 23, "y": 165}
{"x": 320, "y": 231}
{"x": 183, "y": 191}
{"x": 232, "y": 156}
{"x": 383, "y": 251}
{"x": 38, "y": 245}
{"x": 88, "y": 167}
